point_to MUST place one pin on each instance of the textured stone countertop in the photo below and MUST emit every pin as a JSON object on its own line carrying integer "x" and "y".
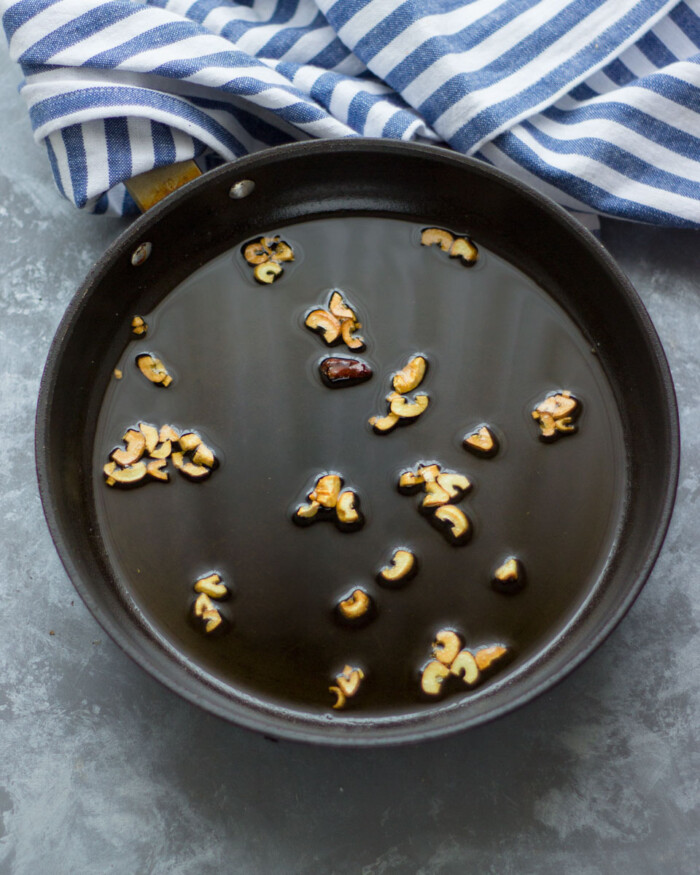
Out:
{"x": 104, "y": 770}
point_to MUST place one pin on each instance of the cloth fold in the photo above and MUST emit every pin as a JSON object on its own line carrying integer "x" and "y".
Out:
{"x": 594, "y": 102}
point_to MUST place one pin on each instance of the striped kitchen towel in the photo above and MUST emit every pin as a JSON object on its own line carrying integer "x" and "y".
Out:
{"x": 595, "y": 102}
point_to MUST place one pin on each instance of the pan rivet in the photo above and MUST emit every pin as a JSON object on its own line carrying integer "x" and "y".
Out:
{"x": 241, "y": 189}
{"x": 141, "y": 253}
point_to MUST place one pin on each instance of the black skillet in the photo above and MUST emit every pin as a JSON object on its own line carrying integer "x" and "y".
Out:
{"x": 619, "y": 472}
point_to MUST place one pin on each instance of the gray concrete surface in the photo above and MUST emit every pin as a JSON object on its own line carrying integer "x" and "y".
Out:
{"x": 104, "y": 771}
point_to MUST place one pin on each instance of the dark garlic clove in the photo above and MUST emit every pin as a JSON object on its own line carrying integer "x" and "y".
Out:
{"x": 341, "y": 372}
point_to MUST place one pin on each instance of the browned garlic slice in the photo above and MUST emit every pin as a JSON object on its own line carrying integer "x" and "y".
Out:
{"x": 403, "y": 564}
{"x": 465, "y": 250}
{"x": 339, "y": 697}
{"x": 326, "y": 496}
{"x": 308, "y": 511}
{"x": 257, "y": 253}
{"x": 433, "y": 677}
{"x": 384, "y": 424}
{"x": 325, "y": 324}
{"x": 327, "y": 490}
{"x": 191, "y": 446}
{"x": 203, "y": 455}
{"x": 446, "y": 646}
{"x": 135, "y": 448}
{"x": 337, "y": 322}
{"x": 339, "y": 308}
{"x": 194, "y": 472}
{"x": 162, "y": 451}
{"x": 457, "y": 247}
{"x": 465, "y": 667}
{"x": 482, "y": 442}
{"x": 346, "y": 508}
{"x": 407, "y": 409}
{"x": 267, "y": 272}
{"x": 347, "y": 686}
{"x": 155, "y": 469}
{"x": 211, "y": 586}
{"x": 349, "y": 680}
{"x": 455, "y": 485}
{"x": 411, "y": 375}
{"x": 435, "y": 495}
{"x": 410, "y": 480}
{"x": 509, "y": 578}
{"x": 212, "y": 620}
{"x": 283, "y": 252}
{"x": 154, "y": 370}
{"x": 189, "y": 441}
{"x": 556, "y": 415}
{"x": 355, "y": 606}
{"x": 168, "y": 433}
{"x": 450, "y": 659}
{"x": 429, "y": 472}
{"x": 150, "y": 433}
{"x": 455, "y": 523}
{"x": 486, "y": 656}
{"x": 139, "y": 326}
{"x": 437, "y": 237}
{"x": 348, "y": 328}
{"x": 202, "y": 603}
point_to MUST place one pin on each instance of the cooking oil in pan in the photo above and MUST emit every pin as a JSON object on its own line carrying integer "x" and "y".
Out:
{"x": 246, "y": 378}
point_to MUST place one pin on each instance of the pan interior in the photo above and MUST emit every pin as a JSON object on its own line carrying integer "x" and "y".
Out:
{"x": 246, "y": 378}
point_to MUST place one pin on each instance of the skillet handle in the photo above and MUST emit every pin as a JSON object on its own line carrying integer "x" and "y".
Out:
{"x": 147, "y": 189}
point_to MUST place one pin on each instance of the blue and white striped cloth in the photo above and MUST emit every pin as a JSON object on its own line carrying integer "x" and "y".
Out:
{"x": 595, "y": 102}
